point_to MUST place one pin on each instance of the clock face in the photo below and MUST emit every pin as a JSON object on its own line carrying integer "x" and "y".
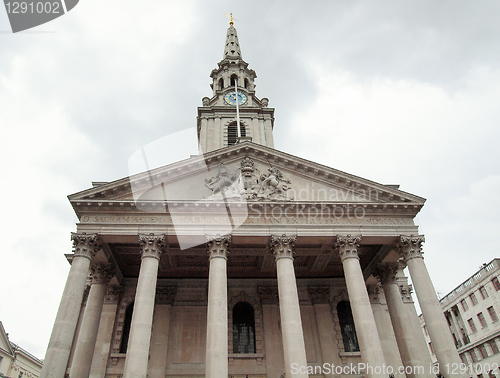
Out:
{"x": 230, "y": 98}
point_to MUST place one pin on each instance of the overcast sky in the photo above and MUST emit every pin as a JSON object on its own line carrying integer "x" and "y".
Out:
{"x": 396, "y": 92}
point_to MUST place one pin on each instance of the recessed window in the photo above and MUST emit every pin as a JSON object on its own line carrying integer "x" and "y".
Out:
{"x": 473, "y": 299}
{"x": 494, "y": 347}
{"x": 483, "y": 292}
{"x": 493, "y": 314}
{"x": 464, "y": 304}
{"x": 473, "y": 356}
{"x": 482, "y": 350}
{"x": 431, "y": 348}
{"x": 496, "y": 283}
{"x": 347, "y": 327}
{"x": 243, "y": 328}
{"x": 232, "y": 133}
{"x": 482, "y": 320}
{"x": 472, "y": 325}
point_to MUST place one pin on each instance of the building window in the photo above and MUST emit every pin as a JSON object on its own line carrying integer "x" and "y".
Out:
{"x": 491, "y": 374}
{"x": 472, "y": 325}
{"x": 493, "y": 314}
{"x": 482, "y": 320}
{"x": 234, "y": 80}
{"x": 496, "y": 283}
{"x": 243, "y": 328}
{"x": 473, "y": 299}
{"x": 126, "y": 328}
{"x": 464, "y": 304}
{"x": 479, "y": 376}
{"x": 483, "y": 292}
{"x": 20, "y": 374}
{"x": 482, "y": 350}
{"x": 425, "y": 330}
{"x": 221, "y": 83}
{"x": 431, "y": 348}
{"x": 463, "y": 358}
{"x": 347, "y": 327}
{"x": 494, "y": 347}
{"x": 232, "y": 132}
{"x": 473, "y": 356}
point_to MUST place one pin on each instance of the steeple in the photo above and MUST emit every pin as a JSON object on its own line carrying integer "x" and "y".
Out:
{"x": 232, "y": 48}
{"x": 233, "y": 102}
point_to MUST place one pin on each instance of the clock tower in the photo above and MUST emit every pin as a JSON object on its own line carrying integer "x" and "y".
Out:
{"x": 233, "y": 103}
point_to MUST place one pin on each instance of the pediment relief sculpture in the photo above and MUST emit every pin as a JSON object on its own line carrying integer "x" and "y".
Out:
{"x": 248, "y": 183}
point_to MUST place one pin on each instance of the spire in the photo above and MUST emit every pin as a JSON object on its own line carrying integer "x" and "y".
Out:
{"x": 232, "y": 48}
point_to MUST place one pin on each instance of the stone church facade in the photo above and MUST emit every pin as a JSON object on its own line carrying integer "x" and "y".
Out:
{"x": 245, "y": 261}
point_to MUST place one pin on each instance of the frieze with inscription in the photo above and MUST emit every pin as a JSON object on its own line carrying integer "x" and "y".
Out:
{"x": 253, "y": 218}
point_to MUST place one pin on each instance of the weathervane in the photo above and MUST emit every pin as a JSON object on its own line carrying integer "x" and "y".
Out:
{"x": 230, "y": 15}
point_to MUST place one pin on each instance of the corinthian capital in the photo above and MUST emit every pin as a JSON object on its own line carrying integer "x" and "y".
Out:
{"x": 282, "y": 246}
{"x": 348, "y": 247}
{"x": 386, "y": 273}
{"x": 218, "y": 246}
{"x": 410, "y": 247}
{"x": 152, "y": 245}
{"x": 85, "y": 245}
{"x": 101, "y": 273}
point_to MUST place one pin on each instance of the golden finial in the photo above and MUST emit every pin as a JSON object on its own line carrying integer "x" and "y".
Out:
{"x": 230, "y": 15}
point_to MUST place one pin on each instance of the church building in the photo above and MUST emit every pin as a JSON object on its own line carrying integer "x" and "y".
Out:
{"x": 246, "y": 262}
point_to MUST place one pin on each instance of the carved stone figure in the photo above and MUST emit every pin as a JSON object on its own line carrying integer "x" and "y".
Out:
{"x": 248, "y": 183}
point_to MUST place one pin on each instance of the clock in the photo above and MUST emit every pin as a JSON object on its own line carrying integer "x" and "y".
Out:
{"x": 230, "y": 98}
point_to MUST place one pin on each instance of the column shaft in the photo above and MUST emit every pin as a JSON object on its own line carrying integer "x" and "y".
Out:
{"x": 82, "y": 361}
{"x": 437, "y": 326}
{"x": 291, "y": 323}
{"x": 216, "y": 361}
{"x": 136, "y": 362}
{"x": 364, "y": 321}
{"x": 56, "y": 357}
{"x": 217, "y": 329}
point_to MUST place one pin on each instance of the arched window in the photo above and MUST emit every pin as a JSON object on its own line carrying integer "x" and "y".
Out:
{"x": 247, "y": 84}
{"x": 126, "y": 327}
{"x": 243, "y": 328}
{"x": 232, "y": 132}
{"x": 347, "y": 327}
{"x": 221, "y": 83}
{"x": 234, "y": 79}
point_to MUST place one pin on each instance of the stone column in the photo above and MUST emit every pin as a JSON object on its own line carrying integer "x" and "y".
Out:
{"x": 384, "y": 328}
{"x": 273, "y": 344}
{"x": 387, "y": 275}
{"x": 422, "y": 348}
{"x": 161, "y": 328}
{"x": 366, "y": 328}
{"x": 56, "y": 357}
{"x": 320, "y": 298}
{"x": 136, "y": 361}
{"x": 410, "y": 248}
{"x": 216, "y": 362}
{"x": 105, "y": 333}
{"x": 100, "y": 275}
{"x": 291, "y": 324}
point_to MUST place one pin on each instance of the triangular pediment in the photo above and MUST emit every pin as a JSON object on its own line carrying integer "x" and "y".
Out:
{"x": 249, "y": 172}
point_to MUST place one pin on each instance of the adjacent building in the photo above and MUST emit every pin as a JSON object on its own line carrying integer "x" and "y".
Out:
{"x": 15, "y": 362}
{"x": 472, "y": 313}
{"x": 244, "y": 261}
